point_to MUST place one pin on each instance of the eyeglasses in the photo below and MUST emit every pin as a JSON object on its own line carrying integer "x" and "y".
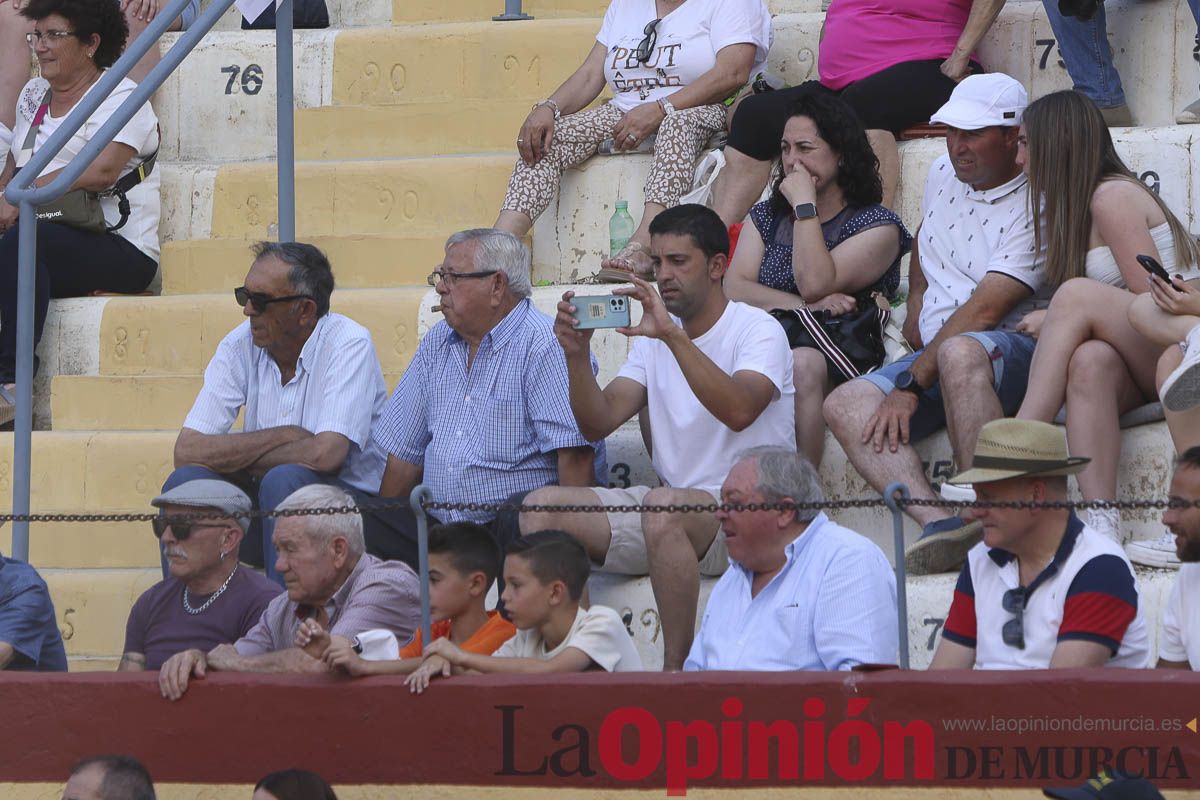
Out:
{"x": 180, "y": 529}
{"x": 51, "y": 38}
{"x": 1013, "y": 632}
{"x": 260, "y": 301}
{"x": 645, "y": 48}
{"x": 451, "y": 277}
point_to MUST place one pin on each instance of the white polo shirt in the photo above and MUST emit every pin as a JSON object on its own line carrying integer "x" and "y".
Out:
{"x": 1180, "y": 640}
{"x": 338, "y": 386}
{"x": 965, "y": 234}
{"x": 1087, "y": 592}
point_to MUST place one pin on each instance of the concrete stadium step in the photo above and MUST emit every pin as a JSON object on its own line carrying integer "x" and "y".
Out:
{"x": 342, "y": 14}
{"x": 178, "y": 335}
{"x": 572, "y": 236}
{"x": 93, "y": 605}
{"x": 205, "y": 266}
{"x": 411, "y": 11}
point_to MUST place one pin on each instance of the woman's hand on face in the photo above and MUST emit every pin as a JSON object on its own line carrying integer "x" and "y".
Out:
{"x": 799, "y": 187}
{"x": 1031, "y": 323}
{"x": 835, "y": 303}
{"x": 533, "y": 142}
{"x": 637, "y": 124}
{"x": 1176, "y": 298}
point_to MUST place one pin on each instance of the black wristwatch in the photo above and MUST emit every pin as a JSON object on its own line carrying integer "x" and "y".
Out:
{"x": 806, "y": 211}
{"x": 907, "y": 382}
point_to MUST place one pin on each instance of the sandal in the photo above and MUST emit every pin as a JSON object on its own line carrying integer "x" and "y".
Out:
{"x": 633, "y": 259}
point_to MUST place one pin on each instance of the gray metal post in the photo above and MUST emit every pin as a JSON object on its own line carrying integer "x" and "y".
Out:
{"x": 285, "y": 123}
{"x": 23, "y": 423}
{"x": 889, "y": 497}
{"x": 512, "y": 11}
{"x": 419, "y": 495}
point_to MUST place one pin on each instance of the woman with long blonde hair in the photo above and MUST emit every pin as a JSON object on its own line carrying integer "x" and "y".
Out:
{"x": 1095, "y": 218}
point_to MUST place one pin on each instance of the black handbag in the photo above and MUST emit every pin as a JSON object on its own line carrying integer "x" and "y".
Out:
{"x": 305, "y": 14}
{"x": 852, "y": 343}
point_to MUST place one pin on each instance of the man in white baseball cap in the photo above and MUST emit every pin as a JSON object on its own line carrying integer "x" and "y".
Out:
{"x": 974, "y": 274}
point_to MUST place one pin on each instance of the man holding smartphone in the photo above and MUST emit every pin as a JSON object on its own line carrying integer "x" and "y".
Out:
{"x": 715, "y": 377}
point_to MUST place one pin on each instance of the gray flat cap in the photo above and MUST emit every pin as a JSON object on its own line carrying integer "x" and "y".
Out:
{"x": 208, "y": 493}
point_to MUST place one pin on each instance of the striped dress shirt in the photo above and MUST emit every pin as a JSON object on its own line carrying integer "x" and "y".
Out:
{"x": 485, "y": 433}
{"x": 338, "y": 387}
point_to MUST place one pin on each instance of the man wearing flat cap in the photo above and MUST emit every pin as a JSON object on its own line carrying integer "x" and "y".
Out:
{"x": 207, "y": 597}
{"x": 1042, "y": 590}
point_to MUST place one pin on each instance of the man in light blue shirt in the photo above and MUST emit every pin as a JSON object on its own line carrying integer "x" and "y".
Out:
{"x": 309, "y": 384}
{"x": 801, "y": 593}
{"x": 29, "y": 636}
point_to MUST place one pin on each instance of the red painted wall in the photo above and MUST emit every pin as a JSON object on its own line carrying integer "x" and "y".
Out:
{"x": 601, "y": 731}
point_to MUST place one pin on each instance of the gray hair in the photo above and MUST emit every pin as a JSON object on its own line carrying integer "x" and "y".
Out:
{"x": 499, "y": 250}
{"x": 310, "y": 273}
{"x": 784, "y": 473}
{"x": 326, "y": 527}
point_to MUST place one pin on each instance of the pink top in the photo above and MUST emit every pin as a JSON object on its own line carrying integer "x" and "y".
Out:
{"x": 863, "y": 37}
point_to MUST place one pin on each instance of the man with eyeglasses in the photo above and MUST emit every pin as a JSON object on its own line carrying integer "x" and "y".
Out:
{"x": 308, "y": 383}
{"x": 482, "y": 414}
{"x": 207, "y": 599}
{"x": 1179, "y": 642}
{"x": 1042, "y": 590}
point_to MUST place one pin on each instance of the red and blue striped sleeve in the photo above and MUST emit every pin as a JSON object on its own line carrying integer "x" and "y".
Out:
{"x": 960, "y": 622}
{"x": 1101, "y": 603}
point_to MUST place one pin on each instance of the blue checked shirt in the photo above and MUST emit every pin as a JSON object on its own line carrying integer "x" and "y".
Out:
{"x": 485, "y": 434}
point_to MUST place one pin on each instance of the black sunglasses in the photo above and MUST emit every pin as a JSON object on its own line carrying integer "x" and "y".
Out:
{"x": 260, "y": 301}
{"x": 1013, "y": 632}
{"x": 451, "y": 277}
{"x": 180, "y": 529}
{"x": 646, "y": 47}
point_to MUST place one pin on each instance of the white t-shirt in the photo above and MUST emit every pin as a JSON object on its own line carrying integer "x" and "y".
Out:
{"x": 597, "y": 632}
{"x": 5, "y": 138}
{"x": 141, "y": 133}
{"x": 1180, "y": 640}
{"x": 689, "y": 39}
{"x": 692, "y": 448}
{"x": 965, "y": 234}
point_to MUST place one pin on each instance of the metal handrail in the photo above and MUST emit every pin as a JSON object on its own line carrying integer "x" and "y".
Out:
{"x": 512, "y": 11}
{"x": 21, "y": 193}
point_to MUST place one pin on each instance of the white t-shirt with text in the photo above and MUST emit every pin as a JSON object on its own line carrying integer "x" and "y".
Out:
{"x": 692, "y": 448}
{"x": 688, "y": 41}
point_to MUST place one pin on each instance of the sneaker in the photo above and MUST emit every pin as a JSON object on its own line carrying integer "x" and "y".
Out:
{"x": 1181, "y": 390}
{"x": 1190, "y": 115}
{"x": 964, "y": 493}
{"x": 943, "y": 546}
{"x": 1117, "y": 116}
{"x": 1160, "y": 552}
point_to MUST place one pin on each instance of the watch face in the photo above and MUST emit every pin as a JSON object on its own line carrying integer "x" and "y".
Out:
{"x": 905, "y": 380}
{"x": 806, "y": 211}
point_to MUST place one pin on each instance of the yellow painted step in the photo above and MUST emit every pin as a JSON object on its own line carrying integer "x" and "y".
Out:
{"x": 93, "y": 605}
{"x": 218, "y": 265}
{"x": 129, "y": 402}
{"x": 406, "y": 11}
{"x": 405, "y": 197}
{"x": 178, "y": 335}
{"x": 421, "y": 63}
{"x": 72, "y": 545}
{"x": 415, "y": 129}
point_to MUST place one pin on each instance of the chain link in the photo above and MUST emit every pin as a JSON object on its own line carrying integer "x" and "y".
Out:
{"x": 673, "y": 508}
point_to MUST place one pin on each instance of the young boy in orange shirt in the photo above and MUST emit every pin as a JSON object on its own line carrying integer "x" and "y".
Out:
{"x": 463, "y": 562}
{"x": 544, "y": 577}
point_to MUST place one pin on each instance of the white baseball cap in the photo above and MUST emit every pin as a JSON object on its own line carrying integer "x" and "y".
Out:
{"x": 981, "y": 101}
{"x": 376, "y": 645}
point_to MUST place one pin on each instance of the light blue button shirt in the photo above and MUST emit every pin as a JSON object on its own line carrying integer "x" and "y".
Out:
{"x": 831, "y": 607}
{"x": 338, "y": 387}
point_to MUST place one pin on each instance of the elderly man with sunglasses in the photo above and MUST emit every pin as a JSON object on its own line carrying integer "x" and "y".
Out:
{"x": 483, "y": 413}
{"x": 208, "y": 598}
{"x": 309, "y": 384}
{"x": 1042, "y": 590}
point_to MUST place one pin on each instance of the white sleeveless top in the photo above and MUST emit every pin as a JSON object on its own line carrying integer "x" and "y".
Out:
{"x": 1101, "y": 266}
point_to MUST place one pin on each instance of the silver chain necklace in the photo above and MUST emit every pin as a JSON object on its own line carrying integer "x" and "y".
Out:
{"x": 188, "y": 606}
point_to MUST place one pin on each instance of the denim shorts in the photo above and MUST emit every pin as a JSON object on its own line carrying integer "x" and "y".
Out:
{"x": 1011, "y": 354}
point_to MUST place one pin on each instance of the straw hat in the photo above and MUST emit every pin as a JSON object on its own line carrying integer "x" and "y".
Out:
{"x": 1015, "y": 448}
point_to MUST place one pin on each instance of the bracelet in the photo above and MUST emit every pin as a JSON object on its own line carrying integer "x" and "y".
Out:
{"x": 553, "y": 107}
{"x": 666, "y": 106}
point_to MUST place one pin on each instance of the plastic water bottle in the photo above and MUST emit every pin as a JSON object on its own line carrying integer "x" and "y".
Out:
{"x": 620, "y": 228}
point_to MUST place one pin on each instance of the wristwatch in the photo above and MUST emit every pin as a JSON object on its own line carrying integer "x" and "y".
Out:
{"x": 806, "y": 211}
{"x": 666, "y": 106}
{"x": 907, "y": 382}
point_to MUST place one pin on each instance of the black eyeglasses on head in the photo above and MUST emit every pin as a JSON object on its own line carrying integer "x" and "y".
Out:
{"x": 1013, "y": 632}
{"x": 260, "y": 301}
{"x": 450, "y": 277}
{"x": 181, "y": 529}
{"x": 645, "y": 48}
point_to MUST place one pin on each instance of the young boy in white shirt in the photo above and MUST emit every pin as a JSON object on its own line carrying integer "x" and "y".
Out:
{"x": 544, "y": 576}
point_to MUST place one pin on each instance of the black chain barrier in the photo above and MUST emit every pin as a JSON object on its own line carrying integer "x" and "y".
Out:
{"x": 673, "y": 508}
